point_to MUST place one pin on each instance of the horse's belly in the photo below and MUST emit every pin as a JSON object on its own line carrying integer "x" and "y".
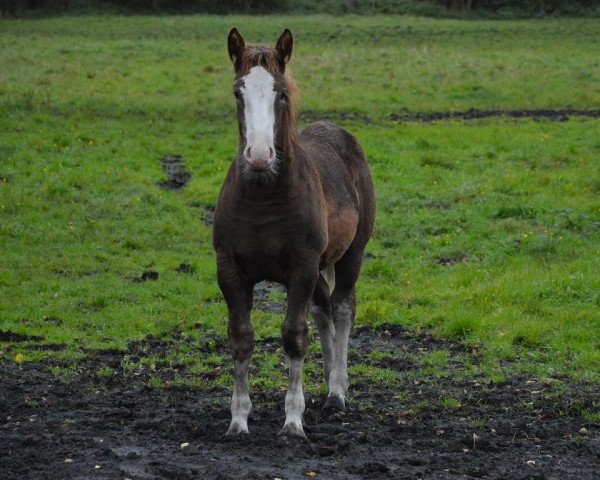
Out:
{"x": 341, "y": 228}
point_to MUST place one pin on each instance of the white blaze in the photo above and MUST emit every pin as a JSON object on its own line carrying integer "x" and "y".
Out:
{"x": 259, "y": 113}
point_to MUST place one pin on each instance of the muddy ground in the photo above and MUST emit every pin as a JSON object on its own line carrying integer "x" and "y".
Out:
{"x": 555, "y": 115}
{"x": 84, "y": 426}
{"x": 177, "y": 175}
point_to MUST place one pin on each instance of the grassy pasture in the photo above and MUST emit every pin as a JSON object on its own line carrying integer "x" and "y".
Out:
{"x": 488, "y": 231}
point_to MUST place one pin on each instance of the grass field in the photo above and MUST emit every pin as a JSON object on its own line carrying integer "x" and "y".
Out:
{"x": 488, "y": 231}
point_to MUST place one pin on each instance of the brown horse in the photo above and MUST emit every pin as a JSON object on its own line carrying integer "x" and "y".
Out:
{"x": 295, "y": 208}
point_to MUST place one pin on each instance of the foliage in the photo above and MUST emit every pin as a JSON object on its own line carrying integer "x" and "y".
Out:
{"x": 523, "y": 7}
{"x": 499, "y": 8}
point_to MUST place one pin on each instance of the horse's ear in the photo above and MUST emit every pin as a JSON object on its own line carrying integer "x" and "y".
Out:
{"x": 284, "y": 47}
{"x": 235, "y": 45}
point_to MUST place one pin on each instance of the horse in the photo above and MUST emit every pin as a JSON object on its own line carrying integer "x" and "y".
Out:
{"x": 297, "y": 208}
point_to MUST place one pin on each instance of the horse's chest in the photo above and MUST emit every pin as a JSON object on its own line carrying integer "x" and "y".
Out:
{"x": 272, "y": 249}
{"x": 262, "y": 242}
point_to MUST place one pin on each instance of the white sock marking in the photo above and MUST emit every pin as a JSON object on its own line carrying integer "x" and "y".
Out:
{"x": 240, "y": 401}
{"x": 294, "y": 399}
{"x": 338, "y": 379}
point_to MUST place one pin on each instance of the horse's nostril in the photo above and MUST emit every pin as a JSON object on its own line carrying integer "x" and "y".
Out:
{"x": 247, "y": 152}
{"x": 271, "y": 152}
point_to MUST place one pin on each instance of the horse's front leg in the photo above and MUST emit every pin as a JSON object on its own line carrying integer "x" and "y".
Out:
{"x": 238, "y": 295}
{"x": 295, "y": 344}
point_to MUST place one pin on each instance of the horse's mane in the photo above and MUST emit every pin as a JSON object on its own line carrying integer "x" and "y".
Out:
{"x": 266, "y": 57}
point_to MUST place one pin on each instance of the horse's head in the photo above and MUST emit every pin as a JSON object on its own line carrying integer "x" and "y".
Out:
{"x": 262, "y": 91}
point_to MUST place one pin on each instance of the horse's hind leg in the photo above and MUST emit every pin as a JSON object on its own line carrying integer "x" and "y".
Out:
{"x": 320, "y": 310}
{"x": 344, "y": 306}
{"x": 238, "y": 296}
{"x": 343, "y": 303}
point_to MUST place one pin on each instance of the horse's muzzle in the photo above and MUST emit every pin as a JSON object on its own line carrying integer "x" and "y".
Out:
{"x": 259, "y": 158}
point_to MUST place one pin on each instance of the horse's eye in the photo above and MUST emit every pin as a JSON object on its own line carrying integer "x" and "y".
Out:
{"x": 237, "y": 95}
{"x": 283, "y": 96}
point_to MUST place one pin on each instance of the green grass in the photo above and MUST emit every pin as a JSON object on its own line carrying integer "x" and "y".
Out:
{"x": 487, "y": 231}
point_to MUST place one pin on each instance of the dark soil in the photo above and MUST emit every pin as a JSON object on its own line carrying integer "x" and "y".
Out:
{"x": 208, "y": 211}
{"x": 262, "y": 300}
{"x": 148, "y": 275}
{"x": 177, "y": 175}
{"x": 185, "y": 268}
{"x": 52, "y": 320}
{"x": 10, "y": 336}
{"x": 118, "y": 427}
{"x": 560, "y": 115}
{"x": 334, "y": 116}
{"x": 449, "y": 260}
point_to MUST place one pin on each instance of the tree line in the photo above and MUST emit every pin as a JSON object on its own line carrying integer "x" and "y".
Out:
{"x": 504, "y": 8}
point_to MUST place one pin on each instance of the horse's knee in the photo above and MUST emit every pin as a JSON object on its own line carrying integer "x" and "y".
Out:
{"x": 241, "y": 339}
{"x": 295, "y": 339}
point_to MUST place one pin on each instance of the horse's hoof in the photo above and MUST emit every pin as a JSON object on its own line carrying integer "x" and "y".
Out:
{"x": 334, "y": 406}
{"x": 237, "y": 429}
{"x": 292, "y": 431}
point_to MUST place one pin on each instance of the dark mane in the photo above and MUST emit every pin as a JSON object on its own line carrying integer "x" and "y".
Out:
{"x": 266, "y": 57}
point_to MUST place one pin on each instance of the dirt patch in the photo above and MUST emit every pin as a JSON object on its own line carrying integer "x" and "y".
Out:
{"x": 10, "y": 336}
{"x": 560, "y": 115}
{"x": 208, "y": 211}
{"x": 263, "y": 300}
{"x": 185, "y": 268}
{"x": 447, "y": 427}
{"x": 177, "y": 175}
{"x": 52, "y": 320}
{"x": 556, "y": 115}
{"x": 449, "y": 260}
{"x": 147, "y": 276}
{"x": 334, "y": 116}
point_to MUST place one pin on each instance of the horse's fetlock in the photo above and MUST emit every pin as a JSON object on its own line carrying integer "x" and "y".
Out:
{"x": 338, "y": 382}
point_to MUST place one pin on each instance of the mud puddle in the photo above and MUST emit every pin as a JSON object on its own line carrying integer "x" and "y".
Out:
{"x": 177, "y": 175}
